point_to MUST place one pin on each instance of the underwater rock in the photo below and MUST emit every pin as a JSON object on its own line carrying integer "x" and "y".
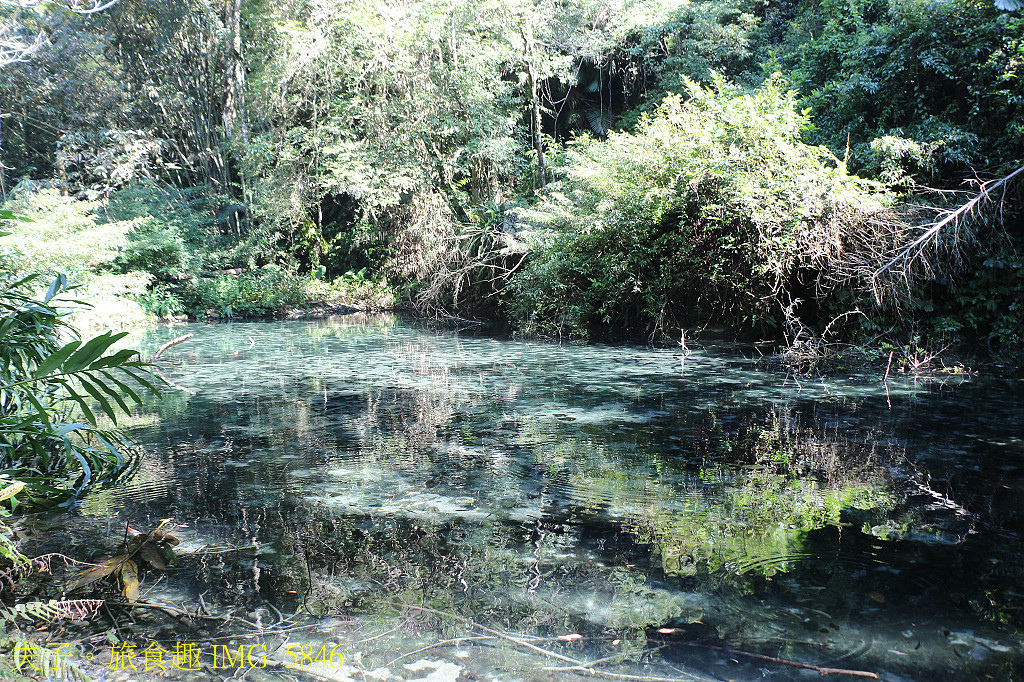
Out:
{"x": 441, "y": 671}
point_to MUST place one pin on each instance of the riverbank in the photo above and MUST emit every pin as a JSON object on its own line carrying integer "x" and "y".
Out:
{"x": 136, "y": 266}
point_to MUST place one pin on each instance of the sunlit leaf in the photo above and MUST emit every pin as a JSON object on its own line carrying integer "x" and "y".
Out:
{"x": 130, "y": 577}
{"x": 60, "y": 283}
{"x": 11, "y": 490}
{"x": 91, "y": 351}
{"x": 7, "y": 214}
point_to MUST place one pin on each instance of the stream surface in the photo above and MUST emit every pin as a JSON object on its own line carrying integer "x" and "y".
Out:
{"x": 653, "y": 514}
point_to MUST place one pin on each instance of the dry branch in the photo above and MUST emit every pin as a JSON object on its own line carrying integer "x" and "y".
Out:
{"x": 821, "y": 670}
{"x": 950, "y": 217}
{"x": 169, "y": 344}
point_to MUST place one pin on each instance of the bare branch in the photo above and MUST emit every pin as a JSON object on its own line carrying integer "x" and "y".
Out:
{"x": 14, "y": 48}
{"x": 96, "y": 6}
{"x": 77, "y": 6}
{"x": 951, "y": 217}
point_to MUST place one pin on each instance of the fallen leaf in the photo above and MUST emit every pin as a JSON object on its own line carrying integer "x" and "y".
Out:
{"x": 11, "y": 490}
{"x": 166, "y": 537}
{"x": 153, "y": 557}
{"x": 877, "y": 597}
{"x": 91, "y": 575}
{"x": 130, "y": 576}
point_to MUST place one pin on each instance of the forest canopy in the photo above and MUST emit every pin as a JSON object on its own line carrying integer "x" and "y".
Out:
{"x": 630, "y": 167}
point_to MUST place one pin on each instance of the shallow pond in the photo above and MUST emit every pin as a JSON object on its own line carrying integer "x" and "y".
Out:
{"x": 434, "y": 505}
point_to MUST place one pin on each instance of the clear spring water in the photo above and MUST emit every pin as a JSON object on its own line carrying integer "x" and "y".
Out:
{"x": 665, "y": 508}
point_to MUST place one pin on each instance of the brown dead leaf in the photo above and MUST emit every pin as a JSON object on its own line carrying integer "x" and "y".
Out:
{"x": 152, "y": 556}
{"x": 166, "y": 537}
{"x": 91, "y": 575}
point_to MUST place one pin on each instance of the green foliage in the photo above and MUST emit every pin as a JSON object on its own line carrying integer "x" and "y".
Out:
{"x": 258, "y": 293}
{"x": 980, "y": 306}
{"x": 694, "y": 40}
{"x": 944, "y": 76}
{"x": 64, "y": 108}
{"x": 52, "y": 389}
{"x": 63, "y": 236}
{"x": 155, "y": 247}
{"x": 387, "y": 134}
{"x": 174, "y": 231}
{"x": 707, "y": 211}
{"x": 78, "y": 239}
{"x": 396, "y": 119}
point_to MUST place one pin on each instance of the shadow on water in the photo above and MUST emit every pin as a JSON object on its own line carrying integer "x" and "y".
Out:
{"x": 411, "y": 493}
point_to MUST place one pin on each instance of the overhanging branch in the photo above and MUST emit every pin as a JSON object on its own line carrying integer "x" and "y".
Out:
{"x": 950, "y": 218}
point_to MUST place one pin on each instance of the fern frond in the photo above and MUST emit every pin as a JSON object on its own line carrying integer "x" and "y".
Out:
{"x": 28, "y": 660}
{"x": 53, "y": 610}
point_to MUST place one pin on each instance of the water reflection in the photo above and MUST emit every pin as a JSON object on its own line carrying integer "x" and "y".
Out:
{"x": 357, "y": 467}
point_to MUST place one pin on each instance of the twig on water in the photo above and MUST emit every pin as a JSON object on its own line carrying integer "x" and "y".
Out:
{"x": 442, "y": 643}
{"x": 821, "y": 670}
{"x": 169, "y": 344}
{"x": 588, "y": 664}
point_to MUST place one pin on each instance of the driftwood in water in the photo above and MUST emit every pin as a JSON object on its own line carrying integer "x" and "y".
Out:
{"x": 172, "y": 342}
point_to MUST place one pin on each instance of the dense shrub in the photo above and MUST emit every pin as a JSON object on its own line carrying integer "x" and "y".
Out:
{"x": 251, "y": 294}
{"x": 936, "y": 83}
{"x": 174, "y": 230}
{"x": 707, "y": 212}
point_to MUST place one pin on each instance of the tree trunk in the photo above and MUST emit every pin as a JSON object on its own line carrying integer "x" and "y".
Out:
{"x": 535, "y": 119}
{"x": 234, "y": 72}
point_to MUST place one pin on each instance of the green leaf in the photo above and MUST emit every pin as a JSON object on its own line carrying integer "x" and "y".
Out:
{"x": 56, "y": 359}
{"x": 59, "y": 284}
{"x": 93, "y": 349}
{"x": 74, "y": 452}
{"x": 42, "y": 412}
{"x": 73, "y": 395}
{"x": 142, "y": 380}
{"x": 118, "y": 358}
{"x": 128, "y": 390}
{"x": 7, "y": 214}
{"x": 92, "y": 390}
{"x": 112, "y": 393}
{"x": 64, "y": 429}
